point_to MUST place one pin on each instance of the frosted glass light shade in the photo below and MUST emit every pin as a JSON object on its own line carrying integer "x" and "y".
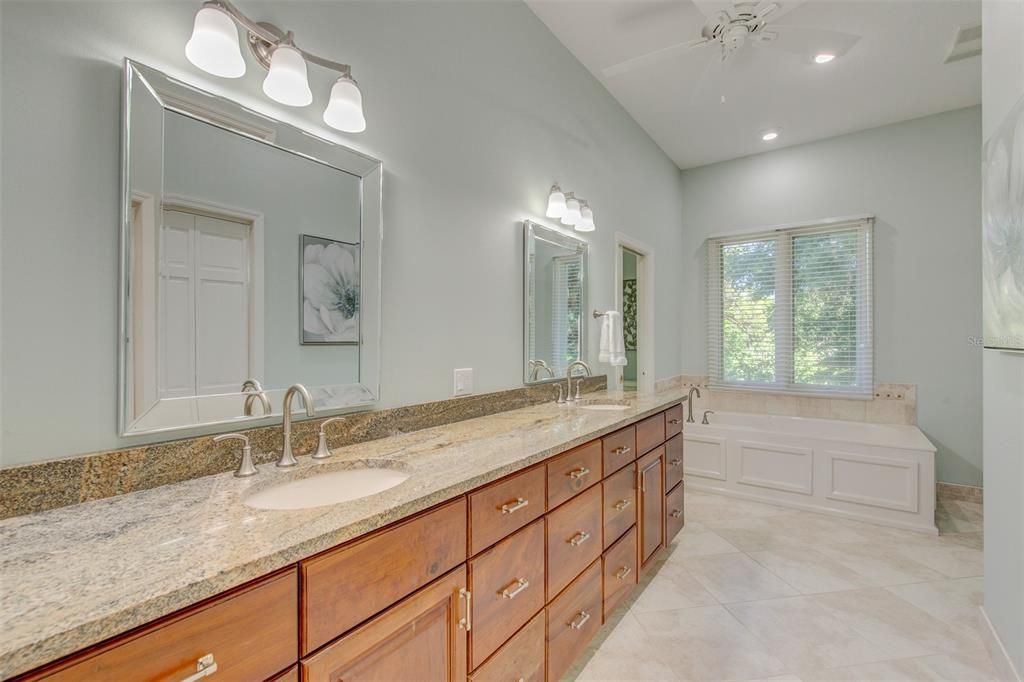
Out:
{"x": 213, "y": 46}
{"x": 287, "y": 82}
{"x": 556, "y": 203}
{"x": 344, "y": 112}
{"x": 572, "y": 211}
{"x": 586, "y": 223}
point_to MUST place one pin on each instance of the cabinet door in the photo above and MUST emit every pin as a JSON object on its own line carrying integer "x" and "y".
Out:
{"x": 421, "y": 638}
{"x": 674, "y": 518}
{"x": 673, "y": 462}
{"x": 652, "y": 503}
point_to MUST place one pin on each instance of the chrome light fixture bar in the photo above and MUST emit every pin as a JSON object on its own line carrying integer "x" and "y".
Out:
{"x": 570, "y": 210}
{"x": 213, "y": 48}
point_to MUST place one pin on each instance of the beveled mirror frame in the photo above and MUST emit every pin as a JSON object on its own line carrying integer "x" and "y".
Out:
{"x": 226, "y": 114}
{"x": 531, "y": 232}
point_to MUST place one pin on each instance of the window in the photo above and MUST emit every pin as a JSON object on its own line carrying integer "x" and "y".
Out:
{"x": 790, "y": 310}
{"x": 565, "y": 312}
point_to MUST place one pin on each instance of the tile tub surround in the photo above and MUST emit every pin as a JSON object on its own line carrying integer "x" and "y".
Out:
{"x": 827, "y": 600}
{"x": 75, "y": 576}
{"x": 891, "y": 404}
{"x": 57, "y": 483}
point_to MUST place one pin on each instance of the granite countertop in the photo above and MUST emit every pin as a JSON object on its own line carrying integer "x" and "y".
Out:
{"x": 74, "y": 576}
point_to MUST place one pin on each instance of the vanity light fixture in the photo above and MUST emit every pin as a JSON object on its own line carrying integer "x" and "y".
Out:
{"x": 556, "y": 202}
{"x": 572, "y": 210}
{"x": 586, "y": 223}
{"x": 214, "y": 48}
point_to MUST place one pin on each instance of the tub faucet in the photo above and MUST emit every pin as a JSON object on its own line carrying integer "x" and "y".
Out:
{"x": 287, "y": 456}
{"x": 705, "y": 419}
{"x": 568, "y": 377}
{"x": 689, "y": 403}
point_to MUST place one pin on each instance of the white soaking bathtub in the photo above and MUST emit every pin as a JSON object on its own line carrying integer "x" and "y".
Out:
{"x": 869, "y": 472}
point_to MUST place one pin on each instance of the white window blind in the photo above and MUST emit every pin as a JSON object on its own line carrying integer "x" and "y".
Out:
{"x": 790, "y": 310}
{"x": 565, "y": 312}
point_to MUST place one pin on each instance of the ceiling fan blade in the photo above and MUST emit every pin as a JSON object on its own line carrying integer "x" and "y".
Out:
{"x": 807, "y": 41}
{"x": 652, "y": 57}
{"x": 773, "y": 10}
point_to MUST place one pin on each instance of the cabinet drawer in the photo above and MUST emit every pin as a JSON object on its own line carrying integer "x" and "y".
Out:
{"x": 573, "y": 472}
{"x": 675, "y": 515}
{"x": 573, "y": 539}
{"x": 618, "y": 449}
{"x": 289, "y": 675}
{"x": 423, "y": 637}
{"x": 504, "y": 507}
{"x": 650, "y": 433}
{"x": 673, "y": 420}
{"x": 507, "y": 582}
{"x": 521, "y": 658}
{"x": 673, "y": 461}
{"x": 619, "y": 503}
{"x": 573, "y": 619}
{"x": 619, "y": 571}
{"x": 344, "y": 587}
{"x": 252, "y": 634}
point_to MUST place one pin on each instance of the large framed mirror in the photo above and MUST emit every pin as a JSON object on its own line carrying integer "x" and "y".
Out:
{"x": 555, "y": 302}
{"x": 250, "y": 261}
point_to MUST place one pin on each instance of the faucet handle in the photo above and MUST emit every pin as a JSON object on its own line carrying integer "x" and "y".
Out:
{"x": 704, "y": 420}
{"x": 245, "y": 467}
{"x": 576, "y": 398}
{"x": 561, "y": 398}
{"x": 322, "y": 451}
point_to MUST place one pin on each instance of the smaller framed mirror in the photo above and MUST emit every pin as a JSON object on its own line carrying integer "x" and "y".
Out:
{"x": 555, "y": 302}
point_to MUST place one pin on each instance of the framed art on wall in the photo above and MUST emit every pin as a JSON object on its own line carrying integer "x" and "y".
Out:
{"x": 329, "y": 282}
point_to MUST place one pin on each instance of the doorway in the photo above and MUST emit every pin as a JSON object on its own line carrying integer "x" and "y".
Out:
{"x": 634, "y": 299}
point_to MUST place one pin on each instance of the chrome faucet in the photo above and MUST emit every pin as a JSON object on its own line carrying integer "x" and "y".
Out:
{"x": 705, "y": 419}
{"x": 252, "y": 390}
{"x": 689, "y": 403}
{"x": 538, "y": 366}
{"x": 287, "y": 456}
{"x": 568, "y": 378}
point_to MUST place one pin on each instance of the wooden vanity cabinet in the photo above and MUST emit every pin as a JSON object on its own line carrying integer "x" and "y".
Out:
{"x": 508, "y": 582}
{"x": 423, "y": 637}
{"x": 651, "y": 512}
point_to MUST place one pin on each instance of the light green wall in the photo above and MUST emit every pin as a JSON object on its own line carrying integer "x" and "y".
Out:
{"x": 475, "y": 109}
{"x": 920, "y": 179}
{"x": 1002, "y": 88}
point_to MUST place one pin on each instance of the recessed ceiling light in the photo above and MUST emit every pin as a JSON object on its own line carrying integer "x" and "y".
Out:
{"x": 824, "y": 58}
{"x": 769, "y": 135}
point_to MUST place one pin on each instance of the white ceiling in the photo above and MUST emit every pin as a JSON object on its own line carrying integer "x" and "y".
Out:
{"x": 894, "y": 72}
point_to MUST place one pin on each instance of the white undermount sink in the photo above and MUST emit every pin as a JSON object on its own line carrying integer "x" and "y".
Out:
{"x": 327, "y": 488}
{"x": 603, "y": 405}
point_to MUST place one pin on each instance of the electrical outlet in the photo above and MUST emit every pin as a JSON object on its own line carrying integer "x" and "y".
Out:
{"x": 463, "y": 381}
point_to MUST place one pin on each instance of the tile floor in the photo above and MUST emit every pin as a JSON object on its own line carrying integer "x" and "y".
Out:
{"x": 751, "y": 591}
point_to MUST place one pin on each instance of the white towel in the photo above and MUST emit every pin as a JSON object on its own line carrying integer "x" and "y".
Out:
{"x": 613, "y": 345}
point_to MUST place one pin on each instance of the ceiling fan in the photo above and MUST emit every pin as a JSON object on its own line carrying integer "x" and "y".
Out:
{"x": 732, "y": 25}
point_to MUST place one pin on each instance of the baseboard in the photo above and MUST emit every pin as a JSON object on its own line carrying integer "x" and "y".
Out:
{"x": 838, "y": 513}
{"x": 1001, "y": 660}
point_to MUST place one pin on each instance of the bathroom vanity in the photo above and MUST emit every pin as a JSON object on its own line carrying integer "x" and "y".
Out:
{"x": 508, "y": 579}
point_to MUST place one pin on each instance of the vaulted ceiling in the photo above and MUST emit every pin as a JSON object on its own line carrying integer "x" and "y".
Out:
{"x": 700, "y": 109}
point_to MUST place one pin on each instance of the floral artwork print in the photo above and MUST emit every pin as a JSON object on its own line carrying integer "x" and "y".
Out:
{"x": 629, "y": 313}
{"x": 330, "y": 291}
{"x": 1003, "y": 242}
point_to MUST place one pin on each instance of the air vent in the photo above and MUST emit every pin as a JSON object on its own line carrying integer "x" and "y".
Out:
{"x": 966, "y": 44}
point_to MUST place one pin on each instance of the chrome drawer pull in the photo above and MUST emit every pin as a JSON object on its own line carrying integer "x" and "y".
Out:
{"x": 467, "y": 622}
{"x": 579, "y": 538}
{"x": 578, "y": 473}
{"x": 580, "y": 620}
{"x": 510, "y": 507}
{"x": 676, "y": 513}
{"x": 623, "y": 572}
{"x": 205, "y": 667}
{"x": 622, "y": 450}
{"x": 622, "y": 504}
{"x": 673, "y": 421}
{"x": 675, "y": 462}
{"x": 514, "y": 588}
